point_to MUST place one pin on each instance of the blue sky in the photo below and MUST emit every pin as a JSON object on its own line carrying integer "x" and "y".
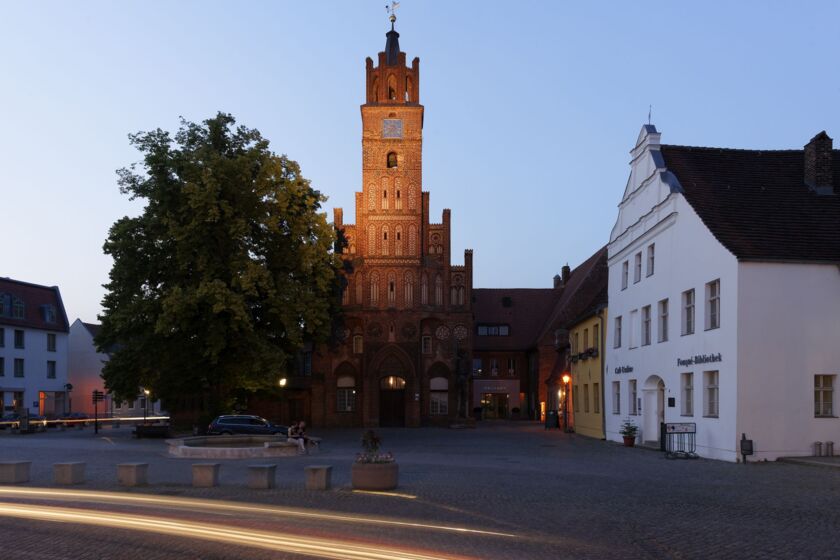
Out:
{"x": 531, "y": 109}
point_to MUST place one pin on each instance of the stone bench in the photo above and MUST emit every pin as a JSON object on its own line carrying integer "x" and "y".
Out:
{"x": 69, "y": 473}
{"x": 262, "y": 476}
{"x": 14, "y": 472}
{"x": 132, "y": 474}
{"x": 205, "y": 475}
{"x": 318, "y": 477}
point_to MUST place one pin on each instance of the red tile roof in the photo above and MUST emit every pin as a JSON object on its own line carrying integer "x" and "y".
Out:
{"x": 34, "y": 298}
{"x": 756, "y": 203}
{"x": 526, "y": 313}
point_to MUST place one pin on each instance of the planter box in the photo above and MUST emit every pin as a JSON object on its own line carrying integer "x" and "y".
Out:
{"x": 374, "y": 476}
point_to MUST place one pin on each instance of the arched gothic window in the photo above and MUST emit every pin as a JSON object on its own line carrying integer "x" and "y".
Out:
{"x": 412, "y": 240}
{"x": 438, "y": 290}
{"x": 392, "y": 88}
{"x": 398, "y": 242}
{"x": 375, "y": 89}
{"x": 374, "y": 289}
{"x": 409, "y": 290}
{"x": 392, "y": 290}
{"x": 392, "y": 160}
{"x": 385, "y": 240}
{"x": 345, "y": 295}
{"x": 371, "y": 240}
{"x": 424, "y": 290}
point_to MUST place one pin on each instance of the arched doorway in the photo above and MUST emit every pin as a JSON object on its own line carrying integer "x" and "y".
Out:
{"x": 392, "y": 401}
{"x": 653, "y": 408}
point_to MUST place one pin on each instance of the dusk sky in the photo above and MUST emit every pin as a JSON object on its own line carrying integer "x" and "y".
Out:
{"x": 531, "y": 109}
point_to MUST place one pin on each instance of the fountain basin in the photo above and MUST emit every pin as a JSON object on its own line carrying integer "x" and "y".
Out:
{"x": 233, "y": 447}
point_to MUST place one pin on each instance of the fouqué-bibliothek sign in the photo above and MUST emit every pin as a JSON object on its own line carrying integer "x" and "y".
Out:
{"x": 700, "y": 359}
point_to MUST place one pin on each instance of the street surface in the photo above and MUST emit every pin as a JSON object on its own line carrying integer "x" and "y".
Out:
{"x": 503, "y": 490}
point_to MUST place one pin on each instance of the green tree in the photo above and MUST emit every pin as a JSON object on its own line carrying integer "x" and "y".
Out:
{"x": 228, "y": 270}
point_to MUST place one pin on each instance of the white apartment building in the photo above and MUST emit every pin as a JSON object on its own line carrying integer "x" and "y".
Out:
{"x": 724, "y": 291}
{"x": 33, "y": 349}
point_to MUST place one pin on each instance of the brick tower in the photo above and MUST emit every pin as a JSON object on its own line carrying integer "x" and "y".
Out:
{"x": 403, "y": 359}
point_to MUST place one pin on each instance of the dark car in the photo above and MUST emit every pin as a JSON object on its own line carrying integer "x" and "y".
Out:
{"x": 244, "y": 424}
{"x": 75, "y": 418}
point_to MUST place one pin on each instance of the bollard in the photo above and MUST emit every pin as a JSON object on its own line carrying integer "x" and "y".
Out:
{"x": 318, "y": 477}
{"x": 132, "y": 474}
{"x": 205, "y": 475}
{"x": 817, "y": 448}
{"x": 69, "y": 473}
{"x": 829, "y": 449}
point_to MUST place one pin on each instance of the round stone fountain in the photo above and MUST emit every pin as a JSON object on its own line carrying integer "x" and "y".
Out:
{"x": 233, "y": 447}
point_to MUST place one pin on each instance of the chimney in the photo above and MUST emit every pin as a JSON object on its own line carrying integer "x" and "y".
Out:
{"x": 819, "y": 171}
{"x": 566, "y": 272}
{"x": 558, "y": 282}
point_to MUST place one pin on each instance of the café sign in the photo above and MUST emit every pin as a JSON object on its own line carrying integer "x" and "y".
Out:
{"x": 624, "y": 369}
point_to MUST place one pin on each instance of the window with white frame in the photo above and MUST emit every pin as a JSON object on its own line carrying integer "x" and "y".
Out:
{"x": 511, "y": 366}
{"x": 617, "y": 341}
{"x": 616, "y": 397}
{"x": 687, "y": 383}
{"x": 663, "y": 321}
{"x": 710, "y": 394}
{"x": 632, "y": 398}
{"x": 426, "y": 344}
{"x": 345, "y": 395}
{"x": 646, "y": 325}
{"x": 19, "y": 339}
{"x": 637, "y": 268}
{"x": 713, "y": 304}
{"x": 625, "y": 272}
{"x": 358, "y": 344}
{"x": 596, "y": 398}
{"x": 50, "y": 369}
{"x": 586, "y": 397}
{"x": 18, "y": 367}
{"x": 439, "y": 396}
{"x": 634, "y": 329}
{"x": 688, "y": 312}
{"x": 823, "y": 395}
{"x": 650, "y": 259}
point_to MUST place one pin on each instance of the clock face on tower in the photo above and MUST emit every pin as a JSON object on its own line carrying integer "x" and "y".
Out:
{"x": 392, "y": 128}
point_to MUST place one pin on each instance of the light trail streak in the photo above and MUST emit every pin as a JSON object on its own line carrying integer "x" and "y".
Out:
{"x": 174, "y": 502}
{"x": 309, "y": 546}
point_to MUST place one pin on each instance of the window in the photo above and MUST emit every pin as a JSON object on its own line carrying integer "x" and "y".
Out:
{"x": 385, "y": 201}
{"x": 616, "y": 400}
{"x": 511, "y": 366}
{"x": 392, "y": 159}
{"x": 426, "y": 344}
{"x": 586, "y": 397}
{"x": 438, "y": 396}
{"x": 688, "y": 312}
{"x": 131, "y": 404}
{"x": 384, "y": 236}
{"x": 617, "y": 341}
{"x": 634, "y": 329}
{"x": 646, "y": 325}
{"x": 2, "y": 366}
{"x": 50, "y": 342}
{"x": 637, "y": 268}
{"x": 424, "y": 290}
{"x": 117, "y": 404}
{"x": 710, "y": 394}
{"x": 49, "y": 313}
{"x": 575, "y": 394}
{"x": 576, "y": 343}
{"x": 374, "y": 289}
{"x": 345, "y": 396}
{"x": 142, "y": 405}
{"x": 494, "y": 366}
{"x": 504, "y": 330}
{"x": 18, "y": 367}
{"x": 596, "y": 339}
{"x": 306, "y": 363}
{"x": 633, "y": 402}
{"x": 50, "y": 369}
{"x": 398, "y": 205}
{"x": 596, "y": 398}
{"x": 358, "y": 344}
{"x": 687, "y": 382}
{"x": 438, "y": 290}
{"x": 663, "y": 320}
{"x": 585, "y": 339}
{"x": 650, "y": 257}
{"x": 823, "y": 395}
{"x": 713, "y": 305}
{"x": 2, "y": 338}
{"x": 17, "y": 308}
{"x": 18, "y": 339}
{"x": 625, "y": 271}
{"x": 477, "y": 366}
{"x": 392, "y": 292}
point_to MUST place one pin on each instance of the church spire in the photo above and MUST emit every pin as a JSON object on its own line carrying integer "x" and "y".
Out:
{"x": 392, "y": 43}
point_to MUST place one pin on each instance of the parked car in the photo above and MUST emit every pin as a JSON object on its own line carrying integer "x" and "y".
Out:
{"x": 75, "y": 418}
{"x": 9, "y": 420}
{"x": 244, "y": 424}
{"x": 13, "y": 419}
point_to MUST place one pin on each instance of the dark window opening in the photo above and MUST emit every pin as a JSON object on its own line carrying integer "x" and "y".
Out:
{"x": 392, "y": 160}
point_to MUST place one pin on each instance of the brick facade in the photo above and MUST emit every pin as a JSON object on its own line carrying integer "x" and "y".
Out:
{"x": 401, "y": 287}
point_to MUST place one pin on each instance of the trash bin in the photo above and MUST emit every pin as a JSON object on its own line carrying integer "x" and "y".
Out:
{"x": 829, "y": 449}
{"x": 817, "y": 448}
{"x": 552, "y": 419}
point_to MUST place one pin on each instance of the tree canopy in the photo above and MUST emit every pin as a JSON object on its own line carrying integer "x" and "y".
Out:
{"x": 224, "y": 275}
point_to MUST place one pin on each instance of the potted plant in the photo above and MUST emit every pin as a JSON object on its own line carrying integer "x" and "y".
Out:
{"x": 629, "y": 431}
{"x": 374, "y": 470}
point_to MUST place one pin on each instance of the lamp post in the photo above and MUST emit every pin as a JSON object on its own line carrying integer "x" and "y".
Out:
{"x": 566, "y": 378}
{"x": 145, "y": 404}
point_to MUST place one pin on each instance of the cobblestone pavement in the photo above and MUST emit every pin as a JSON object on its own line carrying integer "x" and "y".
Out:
{"x": 560, "y": 495}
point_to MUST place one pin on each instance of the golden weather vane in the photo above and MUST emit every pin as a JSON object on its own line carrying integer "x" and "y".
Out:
{"x": 392, "y": 10}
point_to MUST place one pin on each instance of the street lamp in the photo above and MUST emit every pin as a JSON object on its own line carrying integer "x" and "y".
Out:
{"x": 566, "y": 378}
{"x": 145, "y": 404}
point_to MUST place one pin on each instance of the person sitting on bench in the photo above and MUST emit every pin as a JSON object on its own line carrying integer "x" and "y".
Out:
{"x": 297, "y": 434}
